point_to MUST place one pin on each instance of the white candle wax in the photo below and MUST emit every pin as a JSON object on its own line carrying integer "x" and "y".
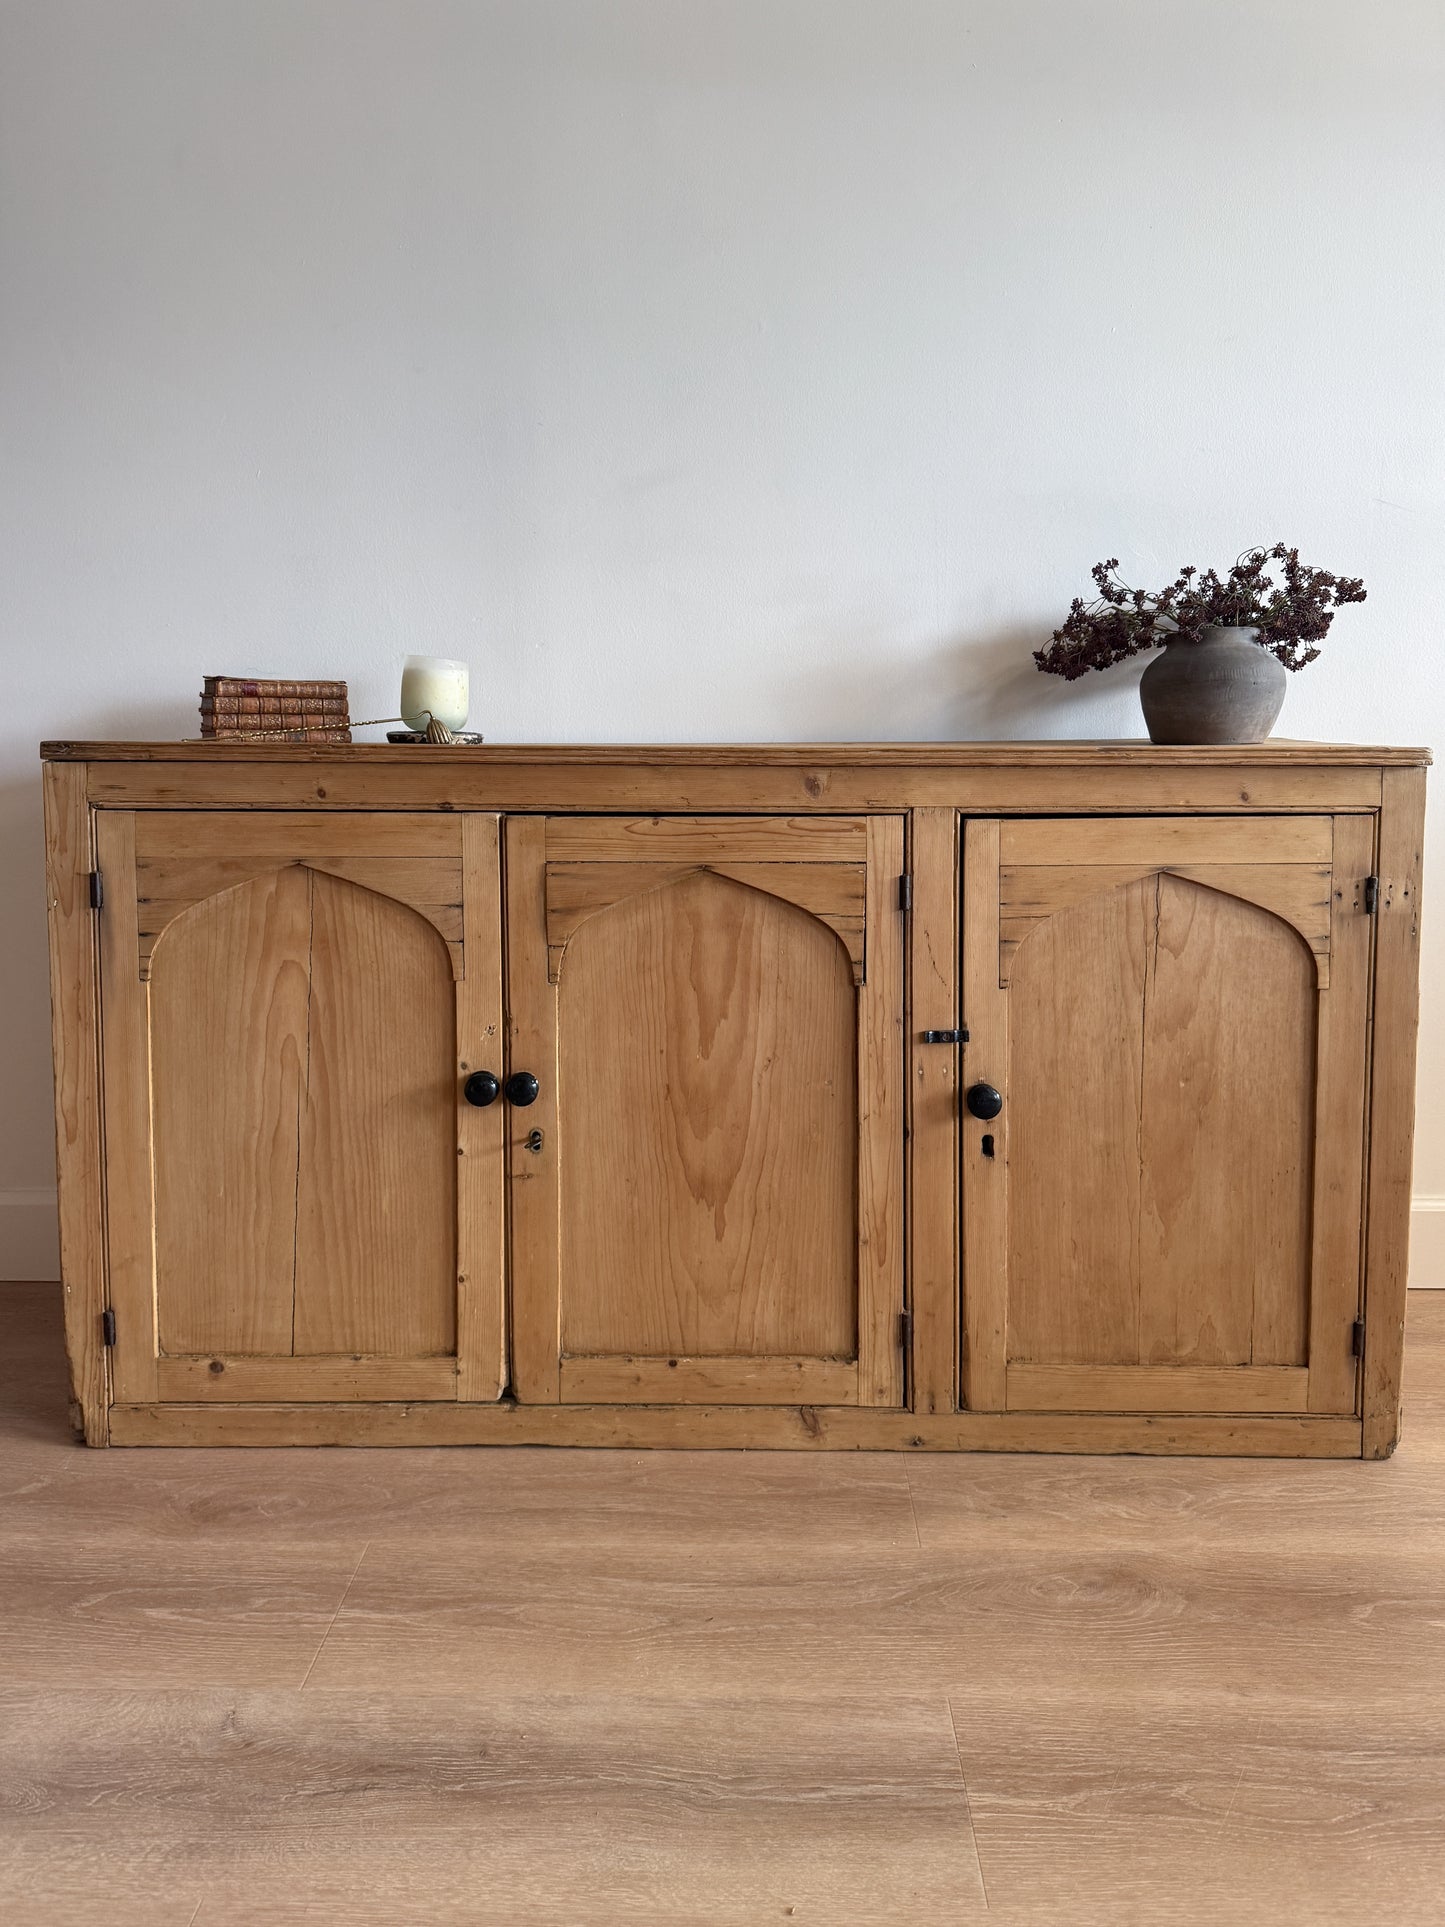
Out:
{"x": 434, "y": 687}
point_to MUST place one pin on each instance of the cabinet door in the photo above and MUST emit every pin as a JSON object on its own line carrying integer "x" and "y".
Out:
{"x": 1165, "y": 1215}
{"x": 707, "y": 1192}
{"x": 300, "y": 1205}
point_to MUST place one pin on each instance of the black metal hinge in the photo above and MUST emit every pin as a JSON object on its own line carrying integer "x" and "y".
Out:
{"x": 905, "y": 892}
{"x": 1357, "y": 1338}
{"x": 905, "y": 1329}
{"x": 97, "y": 890}
{"x": 107, "y": 1326}
{"x": 1372, "y": 895}
{"x": 945, "y": 1037}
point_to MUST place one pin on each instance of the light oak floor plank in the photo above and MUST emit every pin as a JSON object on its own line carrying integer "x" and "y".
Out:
{"x": 434, "y": 1500}
{"x": 791, "y": 1620}
{"x": 329, "y": 1686}
{"x": 521, "y": 1810}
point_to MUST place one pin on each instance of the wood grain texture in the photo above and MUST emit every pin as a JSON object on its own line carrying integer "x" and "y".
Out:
{"x": 880, "y": 1125}
{"x": 1392, "y": 1102}
{"x": 531, "y": 1016}
{"x": 772, "y": 1380}
{"x": 1057, "y": 1618}
{"x": 731, "y": 839}
{"x": 708, "y": 1091}
{"x": 286, "y": 837}
{"x": 1072, "y": 1081}
{"x": 1297, "y": 892}
{"x": 429, "y": 881}
{"x": 1337, "y": 1255}
{"x": 116, "y": 1610}
{"x": 129, "y": 1219}
{"x": 1274, "y": 800}
{"x": 1165, "y": 1034}
{"x": 534, "y": 782}
{"x": 376, "y": 1197}
{"x": 932, "y": 1002}
{"x": 1123, "y": 753}
{"x": 613, "y": 1688}
{"x": 75, "y": 1041}
{"x": 983, "y": 1185}
{"x": 481, "y": 1301}
{"x": 373, "y": 1806}
{"x": 1127, "y": 840}
{"x": 1157, "y": 1388}
{"x": 312, "y": 1378}
{"x": 834, "y": 893}
{"x": 1227, "y": 1129}
{"x": 713, "y": 1428}
{"x": 228, "y": 1051}
{"x": 168, "y": 886}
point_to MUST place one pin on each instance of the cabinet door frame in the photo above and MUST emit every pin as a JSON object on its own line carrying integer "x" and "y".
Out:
{"x": 1343, "y": 948}
{"x": 140, "y": 1374}
{"x": 541, "y": 1373}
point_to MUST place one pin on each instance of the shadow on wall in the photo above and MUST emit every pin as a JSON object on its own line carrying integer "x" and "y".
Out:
{"x": 966, "y": 689}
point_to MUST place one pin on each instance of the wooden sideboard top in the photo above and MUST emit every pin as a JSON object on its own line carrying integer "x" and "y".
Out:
{"x": 1278, "y": 752}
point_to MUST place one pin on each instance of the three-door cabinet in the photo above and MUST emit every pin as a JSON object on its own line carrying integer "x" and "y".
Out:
{"x": 973, "y": 1096}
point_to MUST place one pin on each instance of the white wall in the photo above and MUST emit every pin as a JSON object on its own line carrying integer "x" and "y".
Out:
{"x": 698, "y": 368}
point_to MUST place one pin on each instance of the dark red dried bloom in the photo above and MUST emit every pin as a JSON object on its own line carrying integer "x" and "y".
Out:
{"x": 1292, "y": 608}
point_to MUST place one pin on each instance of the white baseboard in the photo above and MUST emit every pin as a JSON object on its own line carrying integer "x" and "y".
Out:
{"x": 30, "y": 1247}
{"x": 1427, "y": 1244}
{"x": 29, "y": 1240}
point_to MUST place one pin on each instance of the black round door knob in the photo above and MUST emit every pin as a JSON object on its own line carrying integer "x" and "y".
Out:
{"x": 481, "y": 1089}
{"x": 983, "y": 1101}
{"x": 521, "y": 1088}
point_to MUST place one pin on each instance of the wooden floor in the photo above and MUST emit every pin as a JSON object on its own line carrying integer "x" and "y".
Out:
{"x": 588, "y": 1688}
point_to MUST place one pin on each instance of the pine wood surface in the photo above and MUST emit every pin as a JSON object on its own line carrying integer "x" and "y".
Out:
{"x": 1203, "y": 1305}
{"x": 1186, "y": 1084}
{"x": 713, "y": 1209}
{"x": 75, "y": 1044}
{"x": 560, "y": 1687}
{"x": 1135, "y": 751}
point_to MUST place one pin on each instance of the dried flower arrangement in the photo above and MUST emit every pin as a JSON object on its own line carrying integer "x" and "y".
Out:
{"x": 1291, "y": 607}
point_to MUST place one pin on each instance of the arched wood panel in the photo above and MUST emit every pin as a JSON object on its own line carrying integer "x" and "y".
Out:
{"x": 376, "y": 1197}
{"x": 228, "y": 999}
{"x": 834, "y": 893}
{"x": 1161, "y": 1085}
{"x": 303, "y": 1113}
{"x": 707, "y": 1046}
{"x": 1164, "y": 1217}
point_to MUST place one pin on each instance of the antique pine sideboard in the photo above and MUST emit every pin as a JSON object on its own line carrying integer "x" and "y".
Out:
{"x": 998, "y": 1096}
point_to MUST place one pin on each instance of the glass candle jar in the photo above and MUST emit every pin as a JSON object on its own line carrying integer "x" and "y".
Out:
{"x": 434, "y": 687}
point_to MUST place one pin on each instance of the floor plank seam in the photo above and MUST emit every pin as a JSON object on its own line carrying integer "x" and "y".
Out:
{"x": 968, "y": 1806}
{"x": 336, "y": 1615}
{"x": 1243, "y": 1769}
{"x": 912, "y": 1507}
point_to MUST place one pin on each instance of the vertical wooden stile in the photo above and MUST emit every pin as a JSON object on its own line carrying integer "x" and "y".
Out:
{"x": 1392, "y": 1102}
{"x": 531, "y": 1020}
{"x": 880, "y": 1124}
{"x": 126, "y": 1091}
{"x": 481, "y": 1131}
{"x": 75, "y": 1033}
{"x": 933, "y": 1098}
{"x": 984, "y": 1188}
{"x": 1340, "y": 1072}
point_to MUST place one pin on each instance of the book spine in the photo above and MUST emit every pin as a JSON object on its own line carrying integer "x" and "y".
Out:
{"x": 272, "y": 688}
{"x": 277, "y": 735}
{"x": 323, "y": 708}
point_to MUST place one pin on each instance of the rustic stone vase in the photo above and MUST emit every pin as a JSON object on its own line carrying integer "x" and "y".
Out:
{"x": 1216, "y": 687}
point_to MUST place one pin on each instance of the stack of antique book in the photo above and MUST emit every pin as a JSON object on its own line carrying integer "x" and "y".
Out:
{"x": 240, "y": 707}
